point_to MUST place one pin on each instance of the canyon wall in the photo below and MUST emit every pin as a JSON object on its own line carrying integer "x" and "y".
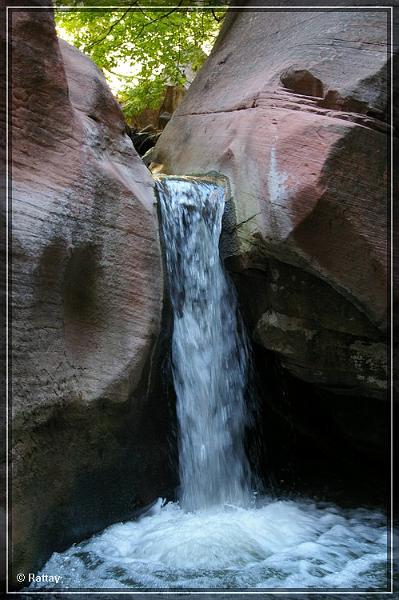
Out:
{"x": 292, "y": 107}
{"x": 87, "y": 292}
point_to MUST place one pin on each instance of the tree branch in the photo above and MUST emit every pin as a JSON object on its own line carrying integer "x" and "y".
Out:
{"x": 155, "y": 20}
{"x": 215, "y": 17}
{"x": 101, "y": 39}
{"x": 122, "y": 76}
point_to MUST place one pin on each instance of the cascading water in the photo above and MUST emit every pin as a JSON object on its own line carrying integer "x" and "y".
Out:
{"x": 209, "y": 348}
{"x": 215, "y": 537}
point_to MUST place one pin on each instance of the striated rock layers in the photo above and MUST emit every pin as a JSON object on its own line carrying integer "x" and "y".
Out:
{"x": 292, "y": 107}
{"x": 86, "y": 303}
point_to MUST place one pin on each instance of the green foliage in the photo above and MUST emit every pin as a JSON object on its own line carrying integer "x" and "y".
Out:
{"x": 154, "y": 46}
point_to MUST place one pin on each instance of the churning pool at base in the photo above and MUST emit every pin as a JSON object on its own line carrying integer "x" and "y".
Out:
{"x": 278, "y": 544}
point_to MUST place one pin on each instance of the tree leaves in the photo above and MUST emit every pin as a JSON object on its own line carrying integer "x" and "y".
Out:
{"x": 154, "y": 46}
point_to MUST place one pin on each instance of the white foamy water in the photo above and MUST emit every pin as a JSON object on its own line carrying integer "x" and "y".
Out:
{"x": 282, "y": 544}
{"x": 217, "y": 537}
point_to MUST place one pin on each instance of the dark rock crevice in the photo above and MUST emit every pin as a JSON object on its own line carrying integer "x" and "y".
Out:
{"x": 320, "y": 337}
{"x": 321, "y": 444}
{"x": 303, "y": 82}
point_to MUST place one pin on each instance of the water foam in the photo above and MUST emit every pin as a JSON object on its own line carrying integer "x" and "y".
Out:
{"x": 280, "y": 544}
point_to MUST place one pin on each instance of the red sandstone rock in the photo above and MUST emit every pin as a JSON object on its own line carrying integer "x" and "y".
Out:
{"x": 87, "y": 295}
{"x": 291, "y": 106}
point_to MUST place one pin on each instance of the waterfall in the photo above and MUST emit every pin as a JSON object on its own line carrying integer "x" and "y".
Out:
{"x": 215, "y": 538}
{"x": 209, "y": 348}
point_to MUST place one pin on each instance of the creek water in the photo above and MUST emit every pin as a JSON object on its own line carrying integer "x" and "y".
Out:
{"x": 219, "y": 534}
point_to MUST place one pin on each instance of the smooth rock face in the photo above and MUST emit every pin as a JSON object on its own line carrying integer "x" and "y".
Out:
{"x": 86, "y": 301}
{"x": 292, "y": 107}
